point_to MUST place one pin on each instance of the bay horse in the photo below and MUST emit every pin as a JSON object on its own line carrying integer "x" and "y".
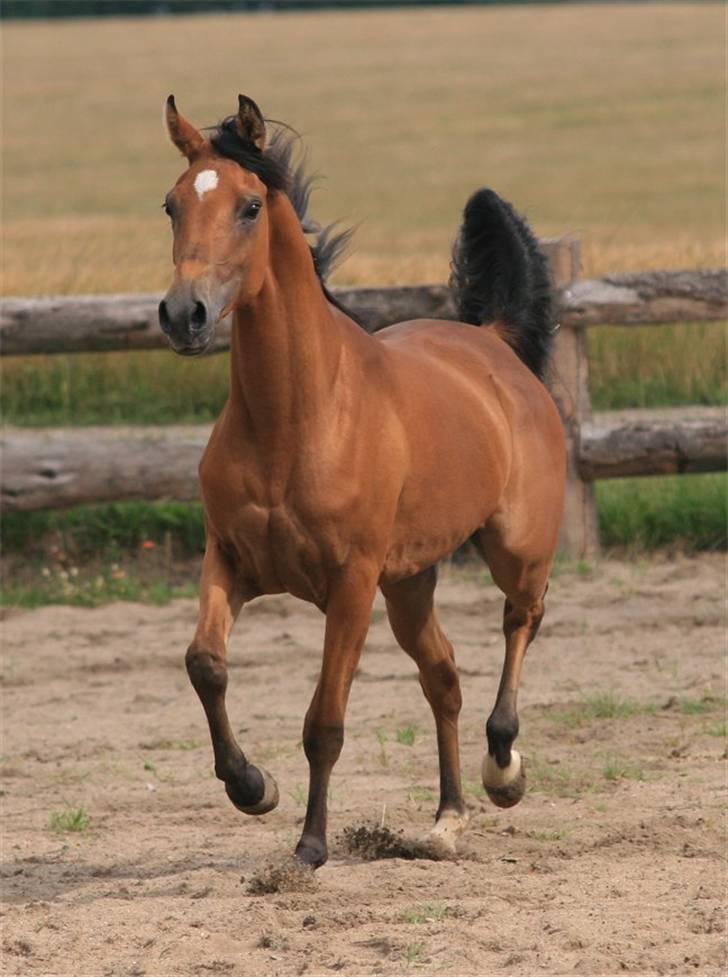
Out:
{"x": 344, "y": 461}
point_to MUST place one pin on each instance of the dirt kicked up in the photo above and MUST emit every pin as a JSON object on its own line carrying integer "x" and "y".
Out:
{"x": 123, "y": 857}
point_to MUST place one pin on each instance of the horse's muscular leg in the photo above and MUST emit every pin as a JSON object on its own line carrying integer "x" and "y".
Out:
{"x": 347, "y": 621}
{"x": 251, "y": 790}
{"x": 416, "y": 628}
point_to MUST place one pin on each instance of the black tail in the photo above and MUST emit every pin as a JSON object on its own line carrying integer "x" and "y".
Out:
{"x": 499, "y": 274}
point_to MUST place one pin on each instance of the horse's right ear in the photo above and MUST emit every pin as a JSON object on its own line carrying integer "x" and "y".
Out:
{"x": 183, "y": 134}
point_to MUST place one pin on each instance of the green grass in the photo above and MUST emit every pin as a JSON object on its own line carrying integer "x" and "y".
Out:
{"x": 407, "y": 735}
{"x": 72, "y": 819}
{"x": 719, "y": 729}
{"x": 649, "y": 513}
{"x": 95, "y": 591}
{"x": 106, "y": 531}
{"x": 601, "y": 705}
{"x": 658, "y": 366}
{"x": 429, "y": 913}
{"x": 616, "y": 768}
{"x": 648, "y": 366}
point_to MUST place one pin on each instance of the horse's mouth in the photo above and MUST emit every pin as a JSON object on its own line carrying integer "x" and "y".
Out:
{"x": 196, "y": 348}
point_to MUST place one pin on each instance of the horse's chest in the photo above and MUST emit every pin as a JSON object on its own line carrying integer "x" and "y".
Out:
{"x": 277, "y": 553}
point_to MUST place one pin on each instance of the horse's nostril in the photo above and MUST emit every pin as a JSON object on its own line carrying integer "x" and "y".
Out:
{"x": 199, "y": 316}
{"x": 164, "y": 320}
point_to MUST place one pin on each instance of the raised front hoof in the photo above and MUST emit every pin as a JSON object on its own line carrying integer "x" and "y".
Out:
{"x": 311, "y": 851}
{"x": 505, "y": 786}
{"x": 256, "y": 798}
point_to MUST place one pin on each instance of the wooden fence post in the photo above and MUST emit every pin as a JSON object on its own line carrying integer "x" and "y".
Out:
{"x": 569, "y": 385}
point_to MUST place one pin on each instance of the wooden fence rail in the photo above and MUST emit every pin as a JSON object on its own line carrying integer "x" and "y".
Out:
{"x": 52, "y": 468}
{"x": 62, "y": 467}
{"x": 88, "y": 323}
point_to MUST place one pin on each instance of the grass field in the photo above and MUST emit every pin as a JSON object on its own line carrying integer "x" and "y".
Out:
{"x": 596, "y": 120}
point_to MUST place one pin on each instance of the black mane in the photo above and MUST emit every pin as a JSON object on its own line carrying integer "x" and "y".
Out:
{"x": 276, "y": 167}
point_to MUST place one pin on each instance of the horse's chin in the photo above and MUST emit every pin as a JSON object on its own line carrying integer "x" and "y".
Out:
{"x": 196, "y": 348}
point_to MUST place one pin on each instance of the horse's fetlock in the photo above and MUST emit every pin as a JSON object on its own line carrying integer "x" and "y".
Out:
{"x": 501, "y": 730}
{"x": 207, "y": 671}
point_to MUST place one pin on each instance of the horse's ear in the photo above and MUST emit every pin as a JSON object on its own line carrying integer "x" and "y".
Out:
{"x": 183, "y": 134}
{"x": 251, "y": 126}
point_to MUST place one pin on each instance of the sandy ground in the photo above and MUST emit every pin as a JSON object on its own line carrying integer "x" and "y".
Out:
{"x": 613, "y": 863}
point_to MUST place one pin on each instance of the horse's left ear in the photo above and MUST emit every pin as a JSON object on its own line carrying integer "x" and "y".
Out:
{"x": 183, "y": 134}
{"x": 250, "y": 122}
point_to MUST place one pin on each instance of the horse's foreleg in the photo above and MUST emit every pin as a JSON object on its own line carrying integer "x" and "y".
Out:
{"x": 251, "y": 790}
{"x": 414, "y": 622}
{"x": 348, "y": 611}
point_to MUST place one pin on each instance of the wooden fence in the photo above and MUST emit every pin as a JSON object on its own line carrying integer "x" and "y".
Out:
{"x": 60, "y": 467}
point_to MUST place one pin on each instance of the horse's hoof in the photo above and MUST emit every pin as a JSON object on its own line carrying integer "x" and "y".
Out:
{"x": 312, "y": 851}
{"x": 504, "y": 786}
{"x": 442, "y": 839}
{"x": 268, "y": 800}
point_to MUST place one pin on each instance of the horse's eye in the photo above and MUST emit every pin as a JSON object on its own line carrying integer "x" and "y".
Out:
{"x": 166, "y": 208}
{"x": 251, "y": 210}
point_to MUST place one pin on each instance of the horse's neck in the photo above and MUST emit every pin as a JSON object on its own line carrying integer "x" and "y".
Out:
{"x": 285, "y": 346}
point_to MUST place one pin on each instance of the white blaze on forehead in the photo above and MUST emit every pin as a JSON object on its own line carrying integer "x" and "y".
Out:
{"x": 205, "y": 181}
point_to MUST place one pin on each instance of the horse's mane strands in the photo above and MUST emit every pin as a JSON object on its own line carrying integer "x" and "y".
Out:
{"x": 278, "y": 170}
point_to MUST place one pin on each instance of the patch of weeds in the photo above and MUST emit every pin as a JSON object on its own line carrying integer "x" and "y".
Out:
{"x": 59, "y": 584}
{"x": 718, "y": 729}
{"x": 421, "y": 795}
{"x": 617, "y": 769}
{"x": 407, "y": 734}
{"x": 547, "y": 835}
{"x": 183, "y": 745}
{"x": 413, "y": 952}
{"x": 584, "y": 568}
{"x": 298, "y": 795}
{"x": 552, "y": 778}
{"x": 429, "y": 913}
{"x": 473, "y": 787}
{"x": 382, "y": 740}
{"x": 695, "y": 707}
{"x": 602, "y": 705}
{"x": 71, "y": 819}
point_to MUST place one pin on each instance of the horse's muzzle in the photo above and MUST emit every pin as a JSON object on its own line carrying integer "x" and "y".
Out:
{"x": 187, "y": 320}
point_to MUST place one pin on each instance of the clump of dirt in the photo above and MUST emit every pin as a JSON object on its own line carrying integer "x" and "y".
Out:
{"x": 289, "y": 875}
{"x": 372, "y": 843}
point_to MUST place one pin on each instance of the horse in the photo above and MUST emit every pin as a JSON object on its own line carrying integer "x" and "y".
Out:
{"x": 344, "y": 461}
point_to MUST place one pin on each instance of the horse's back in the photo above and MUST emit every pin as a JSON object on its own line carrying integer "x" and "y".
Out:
{"x": 453, "y": 358}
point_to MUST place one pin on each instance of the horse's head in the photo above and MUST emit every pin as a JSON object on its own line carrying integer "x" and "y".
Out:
{"x": 220, "y": 226}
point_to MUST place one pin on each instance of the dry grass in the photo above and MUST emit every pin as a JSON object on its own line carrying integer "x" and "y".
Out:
{"x": 598, "y": 120}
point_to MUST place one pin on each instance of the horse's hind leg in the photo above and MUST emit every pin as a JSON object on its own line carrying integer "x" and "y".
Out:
{"x": 414, "y": 623}
{"x": 524, "y": 582}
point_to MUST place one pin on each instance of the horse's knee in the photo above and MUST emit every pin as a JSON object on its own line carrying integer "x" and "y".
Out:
{"x": 526, "y": 615}
{"x": 322, "y": 744}
{"x": 207, "y": 671}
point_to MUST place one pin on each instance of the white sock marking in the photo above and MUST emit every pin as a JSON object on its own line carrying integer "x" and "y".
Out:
{"x": 205, "y": 181}
{"x": 494, "y": 776}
